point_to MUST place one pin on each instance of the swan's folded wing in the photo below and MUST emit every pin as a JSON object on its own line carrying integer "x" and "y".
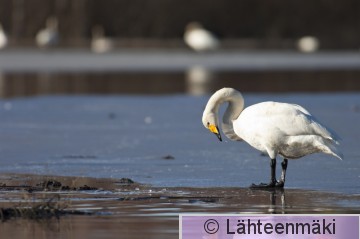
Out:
{"x": 292, "y": 119}
{"x": 322, "y": 130}
{"x": 311, "y": 125}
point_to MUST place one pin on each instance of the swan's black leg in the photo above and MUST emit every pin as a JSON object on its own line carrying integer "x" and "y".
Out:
{"x": 281, "y": 182}
{"x": 272, "y": 182}
{"x": 273, "y": 171}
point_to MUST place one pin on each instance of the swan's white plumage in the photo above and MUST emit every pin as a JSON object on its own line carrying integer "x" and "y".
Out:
{"x": 3, "y": 38}
{"x": 99, "y": 42}
{"x": 49, "y": 36}
{"x": 272, "y": 127}
{"x": 200, "y": 39}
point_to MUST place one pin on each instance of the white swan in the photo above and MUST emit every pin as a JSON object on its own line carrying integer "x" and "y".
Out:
{"x": 99, "y": 42}
{"x": 49, "y": 36}
{"x": 308, "y": 44}
{"x": 3, "y": 38}
{"x": 271, "y": 127}
{"x": 200, "y": 39}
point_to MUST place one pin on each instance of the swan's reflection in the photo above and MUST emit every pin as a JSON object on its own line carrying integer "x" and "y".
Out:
{"x": 199, "y": 80}
{"x": 277, "y": 199}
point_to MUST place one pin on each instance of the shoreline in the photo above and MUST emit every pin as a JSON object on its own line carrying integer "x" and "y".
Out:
{"x": 219, "y": 198}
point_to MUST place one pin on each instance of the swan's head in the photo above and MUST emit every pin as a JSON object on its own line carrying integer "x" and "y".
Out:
{"x": 235, "y": 106}
{"x": 209, "y": 121}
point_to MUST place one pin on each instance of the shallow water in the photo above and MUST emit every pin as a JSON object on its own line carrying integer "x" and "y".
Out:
{"x": 131, "y": 136}
{"x": 141, "y": 211}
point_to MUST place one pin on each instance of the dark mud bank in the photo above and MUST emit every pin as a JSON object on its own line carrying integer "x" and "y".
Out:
{"x": 39, "y": 197}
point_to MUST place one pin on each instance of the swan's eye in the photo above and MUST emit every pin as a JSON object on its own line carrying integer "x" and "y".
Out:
{"x": 208, "y": 124}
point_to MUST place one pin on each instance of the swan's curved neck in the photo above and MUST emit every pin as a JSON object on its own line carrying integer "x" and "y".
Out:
{"x": 232, "y": 112}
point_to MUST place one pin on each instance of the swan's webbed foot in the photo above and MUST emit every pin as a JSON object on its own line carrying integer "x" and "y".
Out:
{"x": 263, "y": 185}
{"x": 278, "y": 184}
{"x": 273, "y": 183}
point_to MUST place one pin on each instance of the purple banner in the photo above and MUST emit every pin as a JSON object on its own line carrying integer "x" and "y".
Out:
{"x": 209, "y": 226}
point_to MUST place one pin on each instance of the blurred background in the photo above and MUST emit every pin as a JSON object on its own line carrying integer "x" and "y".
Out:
{"x": 165, "y": 47}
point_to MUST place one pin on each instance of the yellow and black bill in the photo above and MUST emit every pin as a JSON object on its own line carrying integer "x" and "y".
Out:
{"x": 214, "y": 129}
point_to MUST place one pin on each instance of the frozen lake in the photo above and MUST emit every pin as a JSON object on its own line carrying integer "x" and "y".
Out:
{"x": 160, "y": 140}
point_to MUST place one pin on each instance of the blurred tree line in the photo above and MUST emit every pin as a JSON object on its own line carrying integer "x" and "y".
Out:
{"x": 335, "y": 23}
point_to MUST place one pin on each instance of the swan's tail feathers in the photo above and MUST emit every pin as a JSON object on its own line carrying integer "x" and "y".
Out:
{"x": 327, "y": 133}
{"x": 320, "y": 129}
{"x": 332, "y": 148}
{"x": 329, "y": 138}
{"x": 334, "y": 137}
